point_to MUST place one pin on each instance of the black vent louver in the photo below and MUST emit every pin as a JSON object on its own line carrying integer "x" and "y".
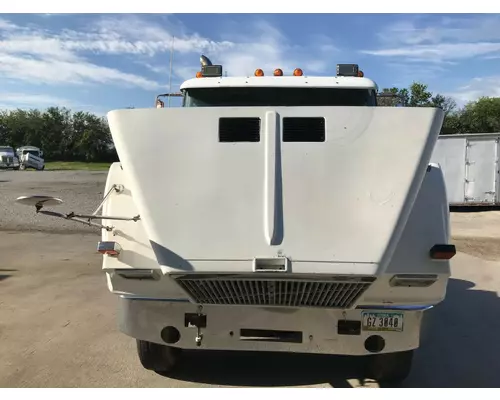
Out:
{"x": 239, "y": 129}
{"x": 304, "y": 129}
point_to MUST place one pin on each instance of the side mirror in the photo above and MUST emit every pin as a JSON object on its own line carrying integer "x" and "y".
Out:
{"x": 38, "y": 201}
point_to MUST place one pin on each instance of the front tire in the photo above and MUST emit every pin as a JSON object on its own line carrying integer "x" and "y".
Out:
{"x": 157, "y": 357}
{"x": 390, "y": 368}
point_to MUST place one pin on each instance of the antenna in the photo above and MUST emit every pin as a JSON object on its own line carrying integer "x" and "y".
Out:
{"x": 170, "y": 73}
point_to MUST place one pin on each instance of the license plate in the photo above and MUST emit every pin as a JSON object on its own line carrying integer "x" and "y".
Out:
{"x": 383, "y": 321}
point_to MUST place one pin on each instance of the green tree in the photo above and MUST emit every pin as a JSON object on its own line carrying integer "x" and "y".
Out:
{"x": 418, "y": 95}
{"x": 481, "y": 116}
{"x": 61, "y": 135}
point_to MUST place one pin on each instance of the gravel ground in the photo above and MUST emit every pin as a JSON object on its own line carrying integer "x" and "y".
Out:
{"x": 58, "y": 320}
{"x": 81, "y": 191}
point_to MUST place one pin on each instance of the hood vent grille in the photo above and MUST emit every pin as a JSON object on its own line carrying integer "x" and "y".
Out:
{"x": 305, "y": 129}
{"x": 239, "y": 130}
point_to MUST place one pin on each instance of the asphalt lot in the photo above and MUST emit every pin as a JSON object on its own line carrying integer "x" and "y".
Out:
{"x": 58, "y": 325}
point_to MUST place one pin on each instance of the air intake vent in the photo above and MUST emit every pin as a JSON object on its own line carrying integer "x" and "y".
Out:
{"x": 304, "y": 129}
{"x": 339, "y": 292}
{"x": 239, "y": 129}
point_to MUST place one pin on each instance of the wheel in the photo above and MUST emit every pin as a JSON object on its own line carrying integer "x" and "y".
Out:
{"x": 157, "y": 357}
{"x": 16, "y": 168}
{"x": 391, "y": 368}
{"x": 22, "y": 167}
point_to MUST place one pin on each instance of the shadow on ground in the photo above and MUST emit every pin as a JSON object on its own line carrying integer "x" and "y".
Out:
{"x": 461, "y": 346}
{"x": 467, "y": 209}
{"x": 3, "y": 275}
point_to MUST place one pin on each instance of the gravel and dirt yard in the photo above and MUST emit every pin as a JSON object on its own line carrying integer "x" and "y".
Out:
{"x": 58, "y": 323}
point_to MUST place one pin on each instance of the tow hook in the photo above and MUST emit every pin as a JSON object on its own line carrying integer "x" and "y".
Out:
{"x": 197, "y": 320}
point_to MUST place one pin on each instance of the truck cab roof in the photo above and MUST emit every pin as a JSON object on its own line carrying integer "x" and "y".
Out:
{"x": 337, "y": 82}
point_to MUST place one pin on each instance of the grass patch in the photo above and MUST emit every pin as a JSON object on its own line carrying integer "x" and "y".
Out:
{"x": 75, "y": 166}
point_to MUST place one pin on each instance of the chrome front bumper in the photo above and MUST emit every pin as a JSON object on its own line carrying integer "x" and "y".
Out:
{"x": 9, "y": 165}
{"x": 310, "y": 330}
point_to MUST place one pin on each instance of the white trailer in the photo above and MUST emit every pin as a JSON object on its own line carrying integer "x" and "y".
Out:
{"x": 286, "y": 213}
{"x": 470, "y": 166}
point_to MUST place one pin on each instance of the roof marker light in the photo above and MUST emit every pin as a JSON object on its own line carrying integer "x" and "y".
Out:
{"x": 278, "y": 72}
{"x": 297, "y": 72}
{"x": 259, "y": 72}
{"x": 199, "y": 74}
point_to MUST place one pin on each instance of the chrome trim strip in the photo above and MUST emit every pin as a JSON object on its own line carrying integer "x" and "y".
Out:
{"x": 132, "y": 297}
{"x": 394, "y": 307}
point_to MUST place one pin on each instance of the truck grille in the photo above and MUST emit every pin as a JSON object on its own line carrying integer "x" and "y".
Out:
{"x": 7, "y": 159}
{"x": 340, "y": 292}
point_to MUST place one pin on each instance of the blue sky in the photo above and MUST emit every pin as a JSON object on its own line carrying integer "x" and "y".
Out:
{"x": 102, "y": 62}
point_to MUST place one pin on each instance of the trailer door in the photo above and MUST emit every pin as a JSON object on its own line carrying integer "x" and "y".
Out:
{"x": 449, "y": 153}
{"x": 481, "y": 171}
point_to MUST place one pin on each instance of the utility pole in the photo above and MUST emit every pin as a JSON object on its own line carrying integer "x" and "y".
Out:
{"x": 170, "y": 74}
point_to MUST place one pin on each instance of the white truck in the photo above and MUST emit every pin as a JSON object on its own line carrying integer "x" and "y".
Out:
{"x": 8, "y": 158}
{"x": 286, "y": 213}
{"x": 30, "y": 157}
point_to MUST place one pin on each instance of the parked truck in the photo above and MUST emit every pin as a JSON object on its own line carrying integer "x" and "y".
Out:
{"x": 8, "y": 158}
{"x": 30, "y": 157}
{"x": 286, "y": 213}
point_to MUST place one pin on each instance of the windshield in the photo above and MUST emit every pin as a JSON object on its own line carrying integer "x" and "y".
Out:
{"x": 33, "y": 152}
{"x": 278, "y": 97}
{"x": 5, "y": 149}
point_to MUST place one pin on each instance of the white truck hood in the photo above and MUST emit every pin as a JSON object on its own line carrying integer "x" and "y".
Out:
{"x": 340, "y": 202}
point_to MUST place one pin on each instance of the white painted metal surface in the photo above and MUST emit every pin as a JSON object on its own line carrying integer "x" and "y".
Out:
{"x": 470, "y": 165}
{"x": 427, "y": 224}
{"x": 450, "y": 155}
{"x": 355, "y": 189}
{"x": 318, "y": 327}
{"x": 337, "y": 82}
{"x": 481, "y": 170}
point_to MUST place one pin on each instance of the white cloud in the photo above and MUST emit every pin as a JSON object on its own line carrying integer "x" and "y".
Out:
{"x": 38, "y": 56}
{"x": 40, "y": 101}
{"x": 478, "y": 87}
{"x": 264, "y": 46}
{"x": 12, "y": 100}
{"x": 34, "y": 55}
{"x": 439, "y": 52}
{"x": 444, "y": 40}
{"x": 6, "y": 25}
{"x": 55, "y": 71}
